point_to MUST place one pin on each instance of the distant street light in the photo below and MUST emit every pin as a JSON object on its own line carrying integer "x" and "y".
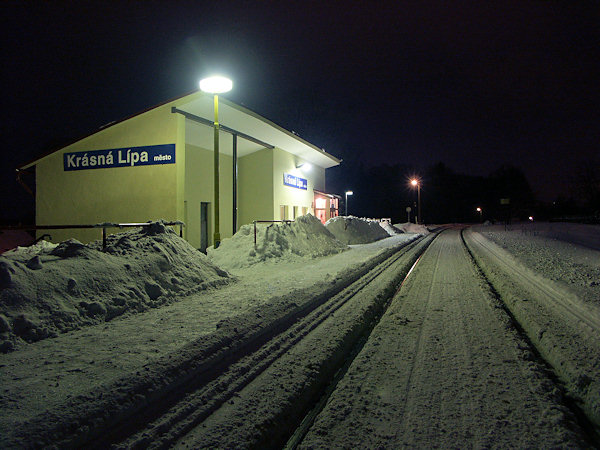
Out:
{"x": 480, "y": 211}
{"x": 416, "y": 182}
{"x": 216, "y": 85}
{"x": 347, "y": 194}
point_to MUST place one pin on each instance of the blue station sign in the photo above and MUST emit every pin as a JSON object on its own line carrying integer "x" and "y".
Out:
{"x": 120, "y": 157}
{"x": 294, "y": 181}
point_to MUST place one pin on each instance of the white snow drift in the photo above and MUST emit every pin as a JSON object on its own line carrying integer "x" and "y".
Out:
{"x": 305, "y": 237}
{"x": 49, "y": 289}
{"x": 354, "y": 230}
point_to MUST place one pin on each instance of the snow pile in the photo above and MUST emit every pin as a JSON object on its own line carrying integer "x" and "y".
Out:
{"x": 35, "y": 249}
{"x": 48, "y": 289}
{"x": 306, "y": 237}
{"x": 354, "y": 230}
{"x": 412, "y": 228}
{"x": 390, "y": 229}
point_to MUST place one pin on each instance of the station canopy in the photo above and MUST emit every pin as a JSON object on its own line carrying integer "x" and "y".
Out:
{"x": 250, "y": 125}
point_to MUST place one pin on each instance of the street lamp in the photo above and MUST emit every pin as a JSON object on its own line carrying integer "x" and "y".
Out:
{"x": 347, "y": 194}
{"x": 417, "y": 183}
{"x": 480, "y": 211}
{"x": 216, "y": 85}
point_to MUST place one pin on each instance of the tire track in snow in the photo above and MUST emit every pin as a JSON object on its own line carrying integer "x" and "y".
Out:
{"x": 578, "y": 311}
{"x": 416, "y": 359}
{"x": 176, "y": 422}
{"x": 468, "y": 383}
{"x": 93, "y": 418}
{"x": 565, "y": 337}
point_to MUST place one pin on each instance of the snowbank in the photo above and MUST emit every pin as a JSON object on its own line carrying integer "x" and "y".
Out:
{"x": 49, "y": 289}
{"x": 305, "y": 237}
{"x": 412, "y": 228}
{"x": 390, "y": 229}
{"x": 354, "y": 230}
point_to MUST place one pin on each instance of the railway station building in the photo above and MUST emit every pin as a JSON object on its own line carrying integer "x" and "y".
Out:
{"x": 158, "y": 164}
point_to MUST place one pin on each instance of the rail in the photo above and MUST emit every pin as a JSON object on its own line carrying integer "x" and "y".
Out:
{"x": 267, "y": 221}
{"x": 104, "y": 226}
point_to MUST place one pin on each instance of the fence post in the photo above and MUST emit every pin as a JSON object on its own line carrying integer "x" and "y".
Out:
{"x": 254, "y": 234}
{"x": 103, "y": 238}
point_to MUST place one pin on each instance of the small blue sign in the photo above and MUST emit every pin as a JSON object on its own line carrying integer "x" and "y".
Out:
{"x": 120, "y": 157}
{"x": 294, "y": 181}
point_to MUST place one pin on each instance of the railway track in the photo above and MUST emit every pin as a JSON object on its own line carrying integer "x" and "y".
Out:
{"x": 158, "y": 405}
{"x": 353, "y": 312}
{"x": 555, "y": 298}
{"x": 547, "y": 313}
{"x": 272, "y": 387}
{"x": 458, "y": 369}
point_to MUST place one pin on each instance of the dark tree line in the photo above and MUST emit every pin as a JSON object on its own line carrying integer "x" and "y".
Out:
{"x": 446, "y": 196}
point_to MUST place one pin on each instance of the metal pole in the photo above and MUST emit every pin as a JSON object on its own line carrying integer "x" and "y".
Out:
{"x": 420, "y": 220}
{"x": 217, "y": 235}
{"x": 346, "y": 204}
{"x": 235, "y": 176}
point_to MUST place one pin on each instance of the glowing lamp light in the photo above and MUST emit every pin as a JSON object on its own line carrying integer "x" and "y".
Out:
{"x": 347, "y": 194}
{"x": 216, "y": 85}
{"x": 415, "y": 182}
{"x": 531, "y": 218}
{"x": 304, "y": 166}
{"x": 478, "y": 209}
{"x": 320, "y": 203}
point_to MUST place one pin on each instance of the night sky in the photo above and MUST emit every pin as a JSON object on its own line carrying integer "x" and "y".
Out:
{"x": 471, "y": 84}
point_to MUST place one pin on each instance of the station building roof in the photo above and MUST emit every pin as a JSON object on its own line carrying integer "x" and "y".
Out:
{"x": 254, "y": 131}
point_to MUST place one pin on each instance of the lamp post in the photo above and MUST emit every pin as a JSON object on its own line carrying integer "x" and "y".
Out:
{"x": 417, "y": 183}
{"x": 216, "y": 85}
{"x": 480, "y": 211}
{"x": 347, "y": 194}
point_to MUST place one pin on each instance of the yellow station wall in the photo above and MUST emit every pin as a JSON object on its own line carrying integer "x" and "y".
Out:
{"x": 199, "y": 183}
{"x": 169, "y": 191}
{"x": 121, "y": 194}
{"x": 284, "y": 162}
{"x": 255, "y": 187}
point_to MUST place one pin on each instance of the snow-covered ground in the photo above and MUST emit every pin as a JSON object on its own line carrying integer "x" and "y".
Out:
{"x": 568, "y": 254}
{"x": 548, "y": 276}
{"x": 444, "y": 369}
{"x": 247, "y": 287}
{"x": 48, "y": 372}
{"x": 50, "y": 289}
{"x": 354, "y": 230}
